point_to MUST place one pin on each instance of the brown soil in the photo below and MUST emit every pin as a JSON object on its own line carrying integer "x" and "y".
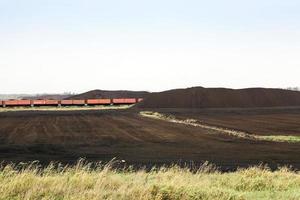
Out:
{"x": 268, "y": 121}
{"x": 102, "y": 135}
{"x": 96, "y": 94}
{"x": 199, "y": 97}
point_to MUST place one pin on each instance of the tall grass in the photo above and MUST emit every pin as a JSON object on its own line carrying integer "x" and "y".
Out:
{"x": 103, "y": 182}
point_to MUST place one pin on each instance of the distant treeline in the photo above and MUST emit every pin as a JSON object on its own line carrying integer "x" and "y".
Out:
{"x": 293, "y": 88}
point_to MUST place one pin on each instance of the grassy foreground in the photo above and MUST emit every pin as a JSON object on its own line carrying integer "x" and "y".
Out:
{"x": 102, "y": 182}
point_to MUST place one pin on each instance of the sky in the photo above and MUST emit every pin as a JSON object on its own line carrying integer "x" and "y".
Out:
{"x": 54, "y": 46}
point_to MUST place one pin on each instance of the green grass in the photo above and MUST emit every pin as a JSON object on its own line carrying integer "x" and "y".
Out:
{"x": 234, "y": 133}
{"x": 102, "y": 182}
{"x": 283, "y": 138}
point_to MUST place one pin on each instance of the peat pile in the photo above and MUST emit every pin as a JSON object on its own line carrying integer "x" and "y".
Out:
{"x": 199, "y": 97}
{"x": 103, "y": 94}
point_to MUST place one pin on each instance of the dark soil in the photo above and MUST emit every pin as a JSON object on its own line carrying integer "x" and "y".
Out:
{"x": 65, "y": 136}
{"x": 262, "y": 121}
{"x": 199, "y": 97}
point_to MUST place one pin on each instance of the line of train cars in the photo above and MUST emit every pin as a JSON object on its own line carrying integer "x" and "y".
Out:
{"x": 51, "y": 102}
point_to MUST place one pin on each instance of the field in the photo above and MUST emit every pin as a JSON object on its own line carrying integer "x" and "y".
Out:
{"x": 96, "y": 135}
{"x": 87, "y": 181}
{"x": 264, "y": 121}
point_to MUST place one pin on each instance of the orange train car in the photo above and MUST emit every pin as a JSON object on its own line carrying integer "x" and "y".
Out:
{"x": 24, "y": 102}
{"x": 78, "y": 102}
{"x": 98, "y": 101}
{"x": 14, "y": 102}
{"x": 51, "y": 102}
{"x": 124, "y": 101}
{"x": 11, "y": 102}
{"x": 66, "y": 102}
{"x": 38, "y": 102}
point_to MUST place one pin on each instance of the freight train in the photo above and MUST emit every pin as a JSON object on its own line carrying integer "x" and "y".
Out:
{"x": 83, "y": 102}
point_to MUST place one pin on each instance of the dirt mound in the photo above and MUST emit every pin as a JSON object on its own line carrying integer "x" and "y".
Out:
{"x": 199, "y": 97}
{"x": 98, "y": 94}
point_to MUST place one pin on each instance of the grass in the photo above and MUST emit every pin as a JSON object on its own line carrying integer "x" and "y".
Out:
{"x": 283, "y": 138}
{"x": 64, "y": 108}
{"x": 103, "y": 182}
{"x": 235, "y": 133}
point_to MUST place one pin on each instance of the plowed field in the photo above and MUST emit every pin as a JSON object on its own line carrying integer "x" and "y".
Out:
{"x": 66, "y": 136}
{"x": 263, "y": 121}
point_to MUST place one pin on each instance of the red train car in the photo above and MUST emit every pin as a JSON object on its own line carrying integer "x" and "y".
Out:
{"x": 124, "y": 101}
{"x": 14, "y": 102}
{"x": 24, "y": 102}
{"x": 38, "y": 102}
{"x": 50, "y": 102}
{"x": 11, "y": 102}
{"x": 66, "y": 102}
{"x": 104, "y": 101}
{"x": 78, "y": 102}
{"x": 98, "y": 101}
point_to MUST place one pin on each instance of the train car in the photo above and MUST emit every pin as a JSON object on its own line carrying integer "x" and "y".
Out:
{"x": 13, "y": 102}
{"x": 38, "y": 102}
{"x": 105, "y": 101}
{"x": 98, "y": 101}
{"x": 66, "y": 102}
{"x": 51, "y": 102}
{"x": 24, "y": 102}
{"x": 124, "y": 101}
{"x": 78, "y": 102}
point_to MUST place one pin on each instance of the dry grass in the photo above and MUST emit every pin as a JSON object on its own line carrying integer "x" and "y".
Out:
{"x": 235, "y": 133}
{"x": 102, "y": 182}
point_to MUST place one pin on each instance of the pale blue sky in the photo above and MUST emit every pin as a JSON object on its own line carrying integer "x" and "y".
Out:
{"x": 58, "y": 45}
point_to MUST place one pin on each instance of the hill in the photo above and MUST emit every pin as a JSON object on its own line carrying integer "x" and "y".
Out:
{"x": 11, "y": 96}
{"x": 95, "y": 94}
{"x": 199, "y": 97}
{"x": 47, "y": 96}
